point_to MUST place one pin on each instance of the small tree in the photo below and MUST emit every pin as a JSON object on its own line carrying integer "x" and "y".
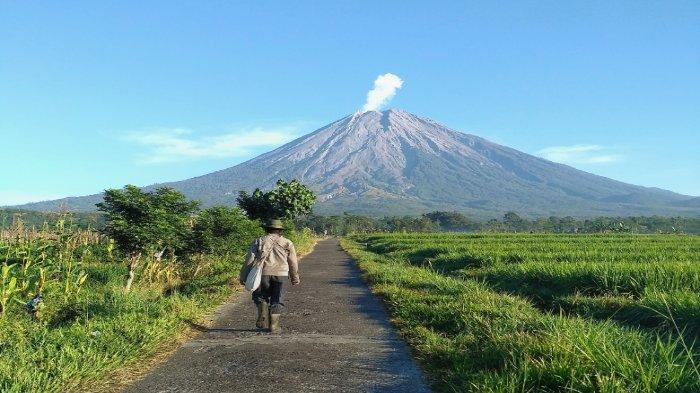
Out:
{"x": 513, "y": 221}
{"x": 139, "y": 221}
{"x": 288, "y": 200}
{"x": 452, "y": 221}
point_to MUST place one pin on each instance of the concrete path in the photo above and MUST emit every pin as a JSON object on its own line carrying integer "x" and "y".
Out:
{"x": 336, "y": 337}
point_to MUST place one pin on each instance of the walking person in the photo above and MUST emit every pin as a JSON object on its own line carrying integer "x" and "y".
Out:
{"x": 279, "y": 265}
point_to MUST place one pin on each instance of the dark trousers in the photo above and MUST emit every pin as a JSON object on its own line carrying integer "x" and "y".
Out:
{"x": 271, "y": 291}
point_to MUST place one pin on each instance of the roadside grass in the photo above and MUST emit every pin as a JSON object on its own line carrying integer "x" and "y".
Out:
{"x": 482, "y": 250}
{"x": 597, "y": 278}
{"x": 85, "y": 333}
{"x": 635, "y": 271}
{"x": 675, "y": 312}
{"x": 471, "y": 336}
{"x": 629, "y": 293}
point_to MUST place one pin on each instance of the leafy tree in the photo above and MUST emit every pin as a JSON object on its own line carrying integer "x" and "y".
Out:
{"x": 146, "y": 221}
{"x": 256, "y": 206}
{"x": 353, "y": 223}
{"x": 332, "y": 225}
{"x": 408, "y": 224}
{"x": 492, "y": 225}
{"x": 288, "y": 200}
{"x": 37, "y": 219}
{"x": 513, "y": 221}
{"x": 452, "y": 221}
{"x": 173, "y": 215}
{"x": 221, "y": 230}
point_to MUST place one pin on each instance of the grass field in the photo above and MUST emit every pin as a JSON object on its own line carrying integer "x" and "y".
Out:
{"x": 531, "y": 313}
{"x": 87, "y": 324}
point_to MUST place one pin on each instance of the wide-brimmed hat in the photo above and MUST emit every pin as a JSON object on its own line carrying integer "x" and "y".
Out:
{"x": 274, "y": 223}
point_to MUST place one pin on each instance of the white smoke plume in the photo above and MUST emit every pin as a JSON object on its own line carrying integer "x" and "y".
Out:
{"x": 384, "y": 90}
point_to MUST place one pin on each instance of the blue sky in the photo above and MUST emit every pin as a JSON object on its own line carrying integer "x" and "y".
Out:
{"x": 100, "y": 95}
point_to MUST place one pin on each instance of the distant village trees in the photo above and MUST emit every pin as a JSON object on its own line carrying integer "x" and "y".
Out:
{"x": 510, "y": 222}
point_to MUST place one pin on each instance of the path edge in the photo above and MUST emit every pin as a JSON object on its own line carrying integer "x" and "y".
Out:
{"x": 428, "y": 380}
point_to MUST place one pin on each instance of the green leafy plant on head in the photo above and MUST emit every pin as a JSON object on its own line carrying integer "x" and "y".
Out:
{"x": 287, "y": 201}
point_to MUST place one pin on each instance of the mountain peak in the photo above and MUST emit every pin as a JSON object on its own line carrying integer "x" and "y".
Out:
{"x": 394, "y": 111}
{"x": 393, "y": 119}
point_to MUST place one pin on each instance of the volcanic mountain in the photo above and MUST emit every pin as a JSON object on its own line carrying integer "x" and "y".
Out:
{"x": 393, "y": 162}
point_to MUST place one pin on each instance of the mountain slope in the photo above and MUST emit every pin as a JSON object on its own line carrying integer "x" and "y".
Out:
{"x": 393, "y": 162}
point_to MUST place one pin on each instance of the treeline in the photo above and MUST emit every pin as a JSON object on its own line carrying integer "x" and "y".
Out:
{"x": 510, "y": 222}
{"x": 430, "y": 222}
{"x": 36, "y": 219}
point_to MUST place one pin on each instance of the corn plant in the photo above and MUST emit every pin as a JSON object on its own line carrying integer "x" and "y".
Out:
{"x": 161, "y": 271}
{"x": 8, "y": 288}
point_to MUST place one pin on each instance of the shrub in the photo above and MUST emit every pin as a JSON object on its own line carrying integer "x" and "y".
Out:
{"x": 222, "y": 230}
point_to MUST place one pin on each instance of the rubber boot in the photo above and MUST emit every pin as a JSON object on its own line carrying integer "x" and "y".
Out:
{"x": 275, "y": 324}
{"x": 263, "y": 321}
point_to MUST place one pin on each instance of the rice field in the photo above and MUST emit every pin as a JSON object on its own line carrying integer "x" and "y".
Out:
{"x": 543, "y": 312}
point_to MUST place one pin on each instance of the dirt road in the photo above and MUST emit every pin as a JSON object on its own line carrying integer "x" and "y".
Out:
{"x": 336, "y": 337}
